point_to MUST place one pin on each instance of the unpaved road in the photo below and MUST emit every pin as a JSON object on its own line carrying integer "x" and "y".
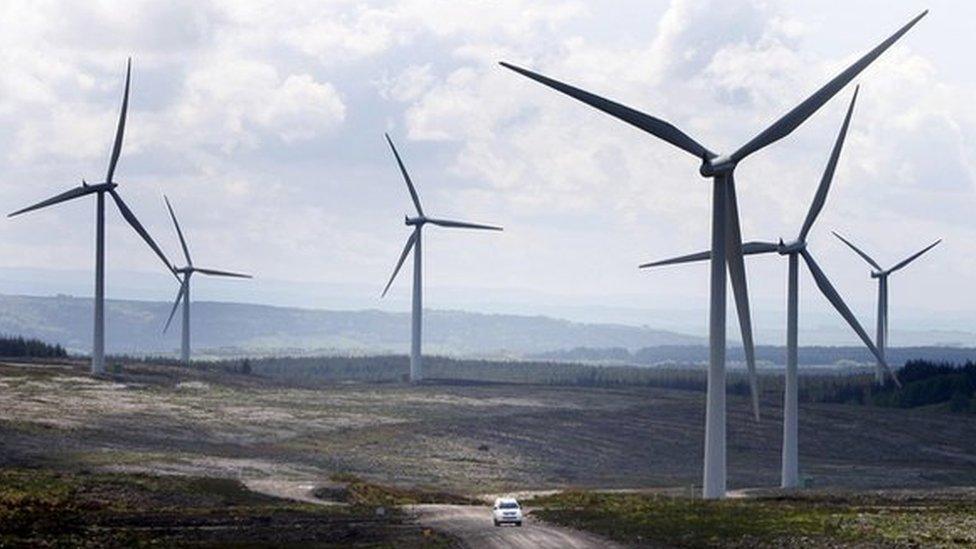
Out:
{"x": 471, "y": 524}
{"x": 474, "y": 527}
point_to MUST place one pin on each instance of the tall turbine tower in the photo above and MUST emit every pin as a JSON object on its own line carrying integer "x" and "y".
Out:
{"x": 99, "y": 190}
{"x": 793, "y": 251}
{"x": 184, "y": 293}
{"x": 726, "y": 237}
{"x": 413, "y": 243}
{"x": 882, "y": 276}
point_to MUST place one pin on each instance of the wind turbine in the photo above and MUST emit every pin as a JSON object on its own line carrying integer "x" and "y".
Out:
{"x": 99, "y": 190}
{"x": 726, "y": 246}
{"x": 184, "y": 293}
{"x": 882, "y": 276}
{"x": 413, "y": 243}
{"x": 794, "y": 250}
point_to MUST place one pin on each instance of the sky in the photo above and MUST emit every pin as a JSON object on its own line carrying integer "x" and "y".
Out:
{"x": 263, "y": 123}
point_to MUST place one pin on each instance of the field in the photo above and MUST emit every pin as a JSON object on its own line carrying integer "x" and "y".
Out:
{"x": 460, "y": 439}
{"x": 41, "y": 507}
{"x": 874, "y": 519}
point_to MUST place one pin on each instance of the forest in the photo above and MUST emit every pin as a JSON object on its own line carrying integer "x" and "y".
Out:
{"x": 18, "y": 346}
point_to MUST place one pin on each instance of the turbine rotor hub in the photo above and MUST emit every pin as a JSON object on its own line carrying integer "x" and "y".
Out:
{"x": 715, "y": 166}
{"x": 419, "y": 220}
{"x": 791, "y": 248}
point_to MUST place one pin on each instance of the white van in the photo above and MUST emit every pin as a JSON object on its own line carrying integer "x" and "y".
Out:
{"x": 507, "y": 510}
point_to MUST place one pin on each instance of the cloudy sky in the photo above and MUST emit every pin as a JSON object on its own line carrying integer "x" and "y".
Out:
{"x": 263, "y": 123}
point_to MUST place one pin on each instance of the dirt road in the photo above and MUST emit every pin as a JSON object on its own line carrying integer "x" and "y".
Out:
{"x": 471, "y": 524}
{"x": 474, "y": 527}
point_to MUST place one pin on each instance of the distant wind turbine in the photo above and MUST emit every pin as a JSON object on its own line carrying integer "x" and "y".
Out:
{"x": 726, "y": 244}
{"x": 413, "y": 243}
{"x": 793, "y": 250}
{"x": 882, "y": 276}
{"x": 99, "y": 190}
{"x": 184, "y": 293}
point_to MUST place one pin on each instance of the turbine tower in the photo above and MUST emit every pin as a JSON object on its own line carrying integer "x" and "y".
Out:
{"x": 413, "y": 243}
{"x": 726, "y": 245}
{"x": 793, "y": 251}
{"x": 184, "y": 293}
{"x": 882, "y": 276}
{"x": 99, "y": 190}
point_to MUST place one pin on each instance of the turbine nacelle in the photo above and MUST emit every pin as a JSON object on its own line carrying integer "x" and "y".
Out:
{"x": 879, "y": 274}
{"x": 794, "y": 247}
{"x": 716, "y": 165}
{"x": 99, "y": 187}
{"x": 411, "y": 221}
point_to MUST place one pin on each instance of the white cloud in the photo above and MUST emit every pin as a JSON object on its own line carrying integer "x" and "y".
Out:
{"x": 232, "y": 101}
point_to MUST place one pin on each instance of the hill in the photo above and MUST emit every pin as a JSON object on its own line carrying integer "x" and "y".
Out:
{"x": 135, "y": 327}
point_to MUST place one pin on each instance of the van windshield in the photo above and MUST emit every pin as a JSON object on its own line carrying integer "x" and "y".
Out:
{"x": 508, "y": 505}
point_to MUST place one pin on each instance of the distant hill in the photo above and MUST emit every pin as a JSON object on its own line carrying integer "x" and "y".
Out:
{"x": 135, "y": 327}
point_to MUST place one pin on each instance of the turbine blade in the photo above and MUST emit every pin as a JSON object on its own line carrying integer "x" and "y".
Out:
{"x": 462, "y": 224}
{"x": 753, "y": 248}
{"x": 134, "y": 222}
{"x": 403, "y": 257}
{"x": 63, "y": 197}
{"x": 748, "y": 248}
{"x": 690, "y": 258}
{"x": 863, "y": 255}
{"x": 737, "y": 276}
{"x": 791, "y": 120}
{"x": 654, "y": 126}
{"x": 406, "y": 177}
{"x": 179, "y": 232}
{"x": 179, "y": 296}
{"x": 213, "y": 272}
{"x": 821, "y": 197}
{"x": 914, "y": 257}
{"x": 886, "y": 315}
{"x": 828, "y": 290}
{"x": 120, "y": 131}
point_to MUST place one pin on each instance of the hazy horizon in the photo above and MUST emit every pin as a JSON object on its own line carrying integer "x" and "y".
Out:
{"x": 819, "y": 327}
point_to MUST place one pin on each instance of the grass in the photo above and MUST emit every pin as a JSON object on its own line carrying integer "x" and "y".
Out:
{"x": 359, "y": 492}
{"x": 50, "y": 508}
{"x": 817, "y": 521}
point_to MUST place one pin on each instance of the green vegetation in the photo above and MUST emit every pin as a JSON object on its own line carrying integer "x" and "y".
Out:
{"x": 44, "y": 507}
{"x": 360, "y": 492}
{"x": 814, "y": 520}
{"x": 923, "y": 384}
{"x": 18, "y": 346}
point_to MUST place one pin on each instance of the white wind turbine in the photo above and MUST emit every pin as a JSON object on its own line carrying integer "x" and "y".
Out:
{"x": 794, "y": 250}
{"x": 184, "y": 293}
{"x": 726, "y": 245}
{"x": 413, "y": 243}
{"x": 99, "y": 190}
{"x": 882, "y": 276}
